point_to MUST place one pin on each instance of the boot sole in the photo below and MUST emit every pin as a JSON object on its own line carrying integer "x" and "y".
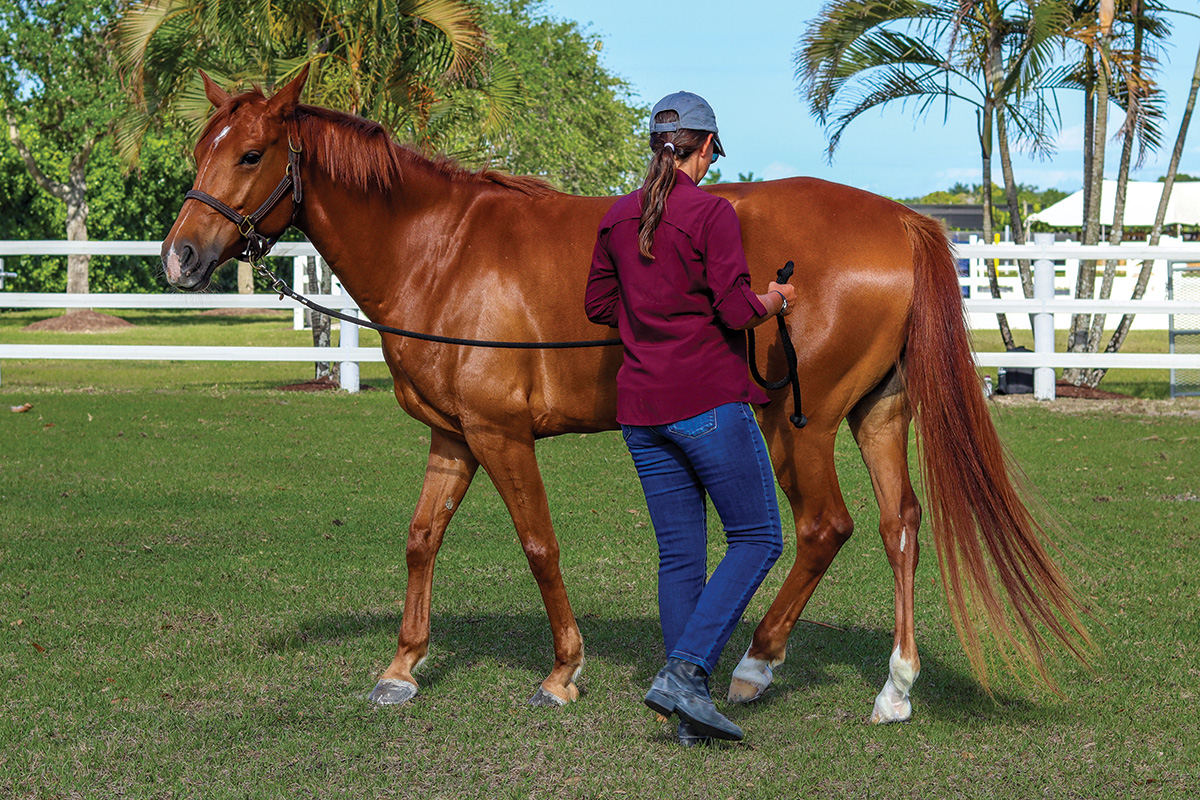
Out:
{"x": 664, "y": 704}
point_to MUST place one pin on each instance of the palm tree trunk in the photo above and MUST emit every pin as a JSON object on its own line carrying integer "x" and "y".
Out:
{"x": 1085, "y": 284}
{"x": 1116, "y": 233}
{"x": 1139, "y": 289}
{"x": 985, "y": 143}
{"x": 1012, "y": 192}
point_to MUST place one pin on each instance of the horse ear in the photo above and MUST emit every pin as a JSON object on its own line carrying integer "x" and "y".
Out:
{"x": 289, "y": 95}
{"x": 215, "y": 94}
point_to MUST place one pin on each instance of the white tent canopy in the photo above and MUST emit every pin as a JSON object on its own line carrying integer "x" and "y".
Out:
{"x": 1141, "y": 204}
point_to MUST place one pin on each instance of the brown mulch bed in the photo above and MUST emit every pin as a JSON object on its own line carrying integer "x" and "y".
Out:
{"x": 241, "y": 312}
{"x": 319, "y": 385}
{"x": 82, "y": 321}
{"x": 1065, "y": 389}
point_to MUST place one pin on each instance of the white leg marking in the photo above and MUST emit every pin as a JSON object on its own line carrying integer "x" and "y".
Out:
{"x": 893, "y": 703}
{"x": 751, "y": 678}
{"x": 903, "y": 537}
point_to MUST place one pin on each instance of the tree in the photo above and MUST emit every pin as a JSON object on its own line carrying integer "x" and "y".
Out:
{"x": 1139, "y": 290}
{"x": 56, "y": 87}
{"x": 1119, "y": 42}
{"x": 859, "y": 54}
{"x": 416, "y": 66}
{"x": 577, "y": 124}
{"x": 419, "y": 67}
{"x": 121, "y": 205}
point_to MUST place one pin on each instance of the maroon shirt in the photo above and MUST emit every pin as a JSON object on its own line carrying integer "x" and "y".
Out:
{"x": 678, "y": 315}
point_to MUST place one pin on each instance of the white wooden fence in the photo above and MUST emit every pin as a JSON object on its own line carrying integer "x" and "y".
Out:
{"x": 1043, "y": 307}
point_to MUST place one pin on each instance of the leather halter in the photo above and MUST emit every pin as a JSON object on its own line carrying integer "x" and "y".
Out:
{"x": 257, "y": 245}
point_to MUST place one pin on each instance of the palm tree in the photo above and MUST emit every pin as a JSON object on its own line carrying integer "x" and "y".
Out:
{"x": 1143, "y": 279}
{"x": 991, "y": 54}
{"x": 1119, "y": 43}
{"x": 417, "y": 66}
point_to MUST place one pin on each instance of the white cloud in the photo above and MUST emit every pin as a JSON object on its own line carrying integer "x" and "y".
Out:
{"x": 778, "y": 169}
{"x": 1070, "y": 139}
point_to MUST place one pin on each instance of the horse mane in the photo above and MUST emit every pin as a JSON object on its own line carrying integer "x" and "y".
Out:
{"x": 360, "y": 152}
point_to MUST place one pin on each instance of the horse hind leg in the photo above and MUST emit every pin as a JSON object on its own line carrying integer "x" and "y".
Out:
{"x": 823, "y": 524}
{"x": 880, "y": 424}
{"x": 448, "y": 474}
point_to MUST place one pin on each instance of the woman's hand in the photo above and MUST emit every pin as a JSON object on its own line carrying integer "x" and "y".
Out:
{"x": 782, "y": 291}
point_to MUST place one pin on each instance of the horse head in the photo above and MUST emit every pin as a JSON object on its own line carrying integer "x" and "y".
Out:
{"x": 246, "y": 159}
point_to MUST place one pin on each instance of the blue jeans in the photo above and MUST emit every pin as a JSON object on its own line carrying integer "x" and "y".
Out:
{"x": 720, "y": 453}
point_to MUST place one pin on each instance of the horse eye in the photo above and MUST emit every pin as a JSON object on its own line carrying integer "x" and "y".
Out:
{"x": 251, "y": 158}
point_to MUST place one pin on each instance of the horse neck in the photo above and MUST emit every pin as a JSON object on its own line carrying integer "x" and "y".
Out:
{"x": 384, "y": 245}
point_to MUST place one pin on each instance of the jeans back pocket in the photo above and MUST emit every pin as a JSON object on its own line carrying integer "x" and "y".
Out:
{"x": 694, "y": 427}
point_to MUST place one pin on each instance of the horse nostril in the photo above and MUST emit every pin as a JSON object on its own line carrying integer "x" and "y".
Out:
{"x": 188, "y": 260}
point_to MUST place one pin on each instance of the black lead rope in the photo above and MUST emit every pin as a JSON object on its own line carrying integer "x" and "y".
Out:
{"x": 278, "y": 285}
{"x": 789, "y": 353}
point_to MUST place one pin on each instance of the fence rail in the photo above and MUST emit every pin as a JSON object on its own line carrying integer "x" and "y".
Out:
{"x": 1043, "y": 306}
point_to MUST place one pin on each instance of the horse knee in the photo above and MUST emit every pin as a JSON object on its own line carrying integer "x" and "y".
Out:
{"x": 423, "y": 544}
{"x": 542, "y": 557}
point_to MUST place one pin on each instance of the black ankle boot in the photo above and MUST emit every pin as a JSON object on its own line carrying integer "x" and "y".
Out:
{"x": 690, "y": 737}
{"x": 681, "y": 687}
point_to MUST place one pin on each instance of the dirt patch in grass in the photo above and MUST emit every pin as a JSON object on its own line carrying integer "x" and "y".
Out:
{"x": 319, "y": 385}
{"x": 83, "y": 321}
{"x": 1117, "y": 404}
{"x": 240, "y": 312}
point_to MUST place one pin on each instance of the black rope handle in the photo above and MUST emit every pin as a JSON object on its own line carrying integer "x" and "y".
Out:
{"x": 797, "y": 418}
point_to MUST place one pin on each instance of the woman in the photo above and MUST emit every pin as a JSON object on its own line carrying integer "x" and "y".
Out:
{"x": 668, "y": 271}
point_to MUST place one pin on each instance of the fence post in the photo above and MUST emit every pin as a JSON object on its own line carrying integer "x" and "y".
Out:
{"x": 349, "y": 338}
{"x": 1043, "y": 322}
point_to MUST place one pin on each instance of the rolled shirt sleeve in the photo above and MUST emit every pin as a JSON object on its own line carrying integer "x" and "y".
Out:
{"x": 602, "y": 293}
{"x": 734, "y": 302}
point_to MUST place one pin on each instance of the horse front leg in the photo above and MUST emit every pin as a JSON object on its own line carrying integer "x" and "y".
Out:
{"x": 447, "y": 476}
{"x": 508, "y": 457}
{"x": 881, "y": 430}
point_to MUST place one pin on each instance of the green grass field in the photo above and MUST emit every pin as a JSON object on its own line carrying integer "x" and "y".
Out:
{"x": 201, "y": 577}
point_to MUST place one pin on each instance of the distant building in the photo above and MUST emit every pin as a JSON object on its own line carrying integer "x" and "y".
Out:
{"x": 957, "y": 216}
{"x": 1141, "y": 205}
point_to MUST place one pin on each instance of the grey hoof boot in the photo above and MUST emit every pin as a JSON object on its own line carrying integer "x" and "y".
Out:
{"x": 681, "y": 687}
{"x": 392, "y": 692}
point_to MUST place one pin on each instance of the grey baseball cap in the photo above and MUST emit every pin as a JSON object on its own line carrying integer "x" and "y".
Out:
{"x": 694, "y": 114}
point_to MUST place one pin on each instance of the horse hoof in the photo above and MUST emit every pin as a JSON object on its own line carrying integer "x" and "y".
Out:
{"x": 392, "y": 692}
{"x": 750, "y": 679}
{"x": 744, "y": 691}
{"x": 886, "y": 711}
{"x": 543, "y": 698}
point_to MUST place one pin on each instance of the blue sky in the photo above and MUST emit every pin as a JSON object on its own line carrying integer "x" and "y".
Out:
{"x": 738, "y": 56}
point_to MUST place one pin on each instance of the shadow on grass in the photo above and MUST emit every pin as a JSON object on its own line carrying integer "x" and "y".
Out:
{"x": 818, "y": 657}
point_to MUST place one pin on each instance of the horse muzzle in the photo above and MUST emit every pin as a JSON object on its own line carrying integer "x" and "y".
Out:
{"x": 189, "y": 267}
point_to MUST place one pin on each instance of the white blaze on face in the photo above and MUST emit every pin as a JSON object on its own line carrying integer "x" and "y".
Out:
{"x": 172, "y": 265}
{"x": 220, "y": 136}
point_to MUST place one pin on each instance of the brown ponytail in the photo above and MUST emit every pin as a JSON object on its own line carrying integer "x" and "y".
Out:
{"x": 660, "y": 177}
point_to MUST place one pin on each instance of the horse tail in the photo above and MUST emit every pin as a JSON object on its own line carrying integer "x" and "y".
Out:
{"x": 990, "y": 548}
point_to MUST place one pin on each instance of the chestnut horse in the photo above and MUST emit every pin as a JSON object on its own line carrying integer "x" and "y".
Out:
{"x": 879, "y": 334}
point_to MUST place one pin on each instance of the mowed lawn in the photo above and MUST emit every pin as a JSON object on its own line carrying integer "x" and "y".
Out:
{"x": 201, "y": 577}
